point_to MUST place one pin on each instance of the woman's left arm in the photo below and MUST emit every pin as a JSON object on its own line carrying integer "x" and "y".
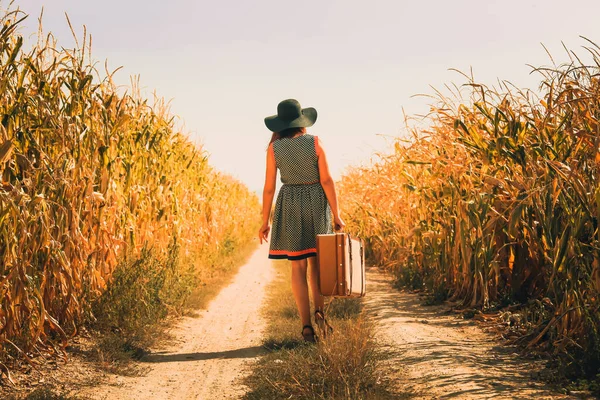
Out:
{"x": 268, "y": 194}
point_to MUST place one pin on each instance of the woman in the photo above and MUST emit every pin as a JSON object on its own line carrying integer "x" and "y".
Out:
{"x": 304, "y": 206}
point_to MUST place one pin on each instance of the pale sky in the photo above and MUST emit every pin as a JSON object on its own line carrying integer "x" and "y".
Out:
{"x": 227, "y": 63}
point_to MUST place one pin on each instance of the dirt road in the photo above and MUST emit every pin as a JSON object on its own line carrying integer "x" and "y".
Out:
{"x": 440, "y": 356}
{"x": 210, "y": 352}
{"x": 434, "y": 355}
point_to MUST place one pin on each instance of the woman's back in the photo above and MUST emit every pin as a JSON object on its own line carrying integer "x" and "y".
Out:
{"x": 297, "y": 159}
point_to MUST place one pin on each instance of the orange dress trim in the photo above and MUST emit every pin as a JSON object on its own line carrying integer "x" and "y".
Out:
{"x": 292, "y": 253}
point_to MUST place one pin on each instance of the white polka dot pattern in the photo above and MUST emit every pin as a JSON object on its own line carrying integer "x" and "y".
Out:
{"x": 301, "y": 210}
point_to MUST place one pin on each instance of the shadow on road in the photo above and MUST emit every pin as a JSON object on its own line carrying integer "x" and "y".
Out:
{"x": 442, "y": 356}
{"x": 247, "y": 352}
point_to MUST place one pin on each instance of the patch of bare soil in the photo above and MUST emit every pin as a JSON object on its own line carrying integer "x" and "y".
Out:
{"x": 436, "y": 355}
{"x": 61, "y": 375}
{"x": 208, "y": 353}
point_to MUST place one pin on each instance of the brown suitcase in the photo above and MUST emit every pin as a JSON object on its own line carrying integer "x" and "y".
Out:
{"x": 340, "y": 259}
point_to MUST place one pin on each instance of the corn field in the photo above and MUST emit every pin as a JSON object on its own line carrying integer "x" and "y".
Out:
{"x": 497, "y": 203}
{"x": 89, "y": 176}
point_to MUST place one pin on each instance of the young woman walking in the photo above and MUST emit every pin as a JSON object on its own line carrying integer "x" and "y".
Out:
{"x": 305, "y": 205}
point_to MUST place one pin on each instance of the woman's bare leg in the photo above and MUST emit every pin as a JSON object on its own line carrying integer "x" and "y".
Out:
{"x": 318, "y": 299}
{"x": 300, "y": 290}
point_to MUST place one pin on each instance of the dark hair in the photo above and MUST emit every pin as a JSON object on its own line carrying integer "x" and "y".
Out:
{"x": 286, "y": 133}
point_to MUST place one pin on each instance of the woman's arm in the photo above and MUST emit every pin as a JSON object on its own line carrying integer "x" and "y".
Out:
{"x": 328, "y": 185}
{"x": 268, "y": 194}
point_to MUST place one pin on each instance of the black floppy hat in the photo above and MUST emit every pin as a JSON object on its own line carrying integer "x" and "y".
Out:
{"x": 291, "y": 115}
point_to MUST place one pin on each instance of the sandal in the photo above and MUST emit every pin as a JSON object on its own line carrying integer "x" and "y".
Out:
{"x": 322, "y": 323}
{"x": 309, "y": 337}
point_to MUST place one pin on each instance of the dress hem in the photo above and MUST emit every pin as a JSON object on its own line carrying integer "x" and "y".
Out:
{"x": 292, "y": 255}
{"x": 291, "y": 258}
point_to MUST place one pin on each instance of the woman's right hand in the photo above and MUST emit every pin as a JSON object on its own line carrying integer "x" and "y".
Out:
{"x": 338, "y": 224}
{"x": 263, "y": 232}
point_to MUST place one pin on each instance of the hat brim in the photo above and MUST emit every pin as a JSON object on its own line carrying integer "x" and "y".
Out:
{"x": 308, "y": 118}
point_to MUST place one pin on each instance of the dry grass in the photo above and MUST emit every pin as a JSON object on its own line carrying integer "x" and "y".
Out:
{"x": 497, "y": 203}
{"x": 102, "y": 202}
{"x": 344, "y": 366}
{"x": 45, "y": 393}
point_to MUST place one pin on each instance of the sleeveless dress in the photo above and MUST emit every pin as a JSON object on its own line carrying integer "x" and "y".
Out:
{"x": 301, "y": 210}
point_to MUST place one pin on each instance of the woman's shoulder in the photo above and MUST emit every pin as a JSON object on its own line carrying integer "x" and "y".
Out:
{"x": 311, "y": 137}
{"x": 317, "y": 143}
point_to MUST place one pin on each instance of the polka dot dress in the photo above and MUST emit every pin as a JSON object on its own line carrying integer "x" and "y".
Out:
{"x": 301, "y": 209}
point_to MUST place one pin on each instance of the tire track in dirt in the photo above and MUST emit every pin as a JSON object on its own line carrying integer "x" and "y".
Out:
{"x": 210, "y": 352}
{"x": 440, "y": 356}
